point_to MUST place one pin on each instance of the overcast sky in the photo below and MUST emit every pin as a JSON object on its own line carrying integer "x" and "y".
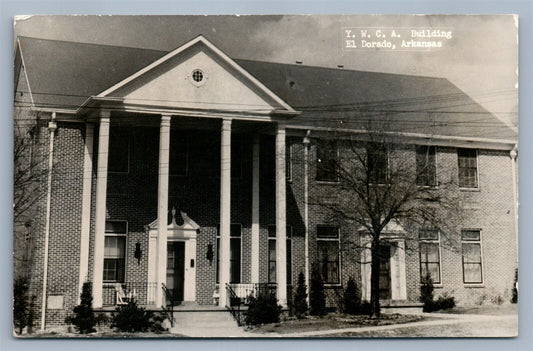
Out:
{"x": 481, "y": 58}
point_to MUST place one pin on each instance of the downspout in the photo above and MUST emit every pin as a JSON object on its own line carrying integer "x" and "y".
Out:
{"x": 514, "y": 155}
{"x": 52, "y": 126}
{"x": 306, "y": 143}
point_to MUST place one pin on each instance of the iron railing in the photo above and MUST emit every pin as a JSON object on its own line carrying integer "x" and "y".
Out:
{"x": 168, "y": 306}
{"x": 143, "y": 293}
{"x": 233, "y": 303}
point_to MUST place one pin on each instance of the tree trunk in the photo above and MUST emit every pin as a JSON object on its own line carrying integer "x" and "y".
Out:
{"x": 374, "y": 280}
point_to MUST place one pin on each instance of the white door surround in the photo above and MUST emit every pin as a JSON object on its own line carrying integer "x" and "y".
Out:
{"x": 397, "y": 266}
{"x": 186, "y": 233}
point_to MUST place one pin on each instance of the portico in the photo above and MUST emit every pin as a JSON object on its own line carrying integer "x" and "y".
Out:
{"x": 153, "y": 97}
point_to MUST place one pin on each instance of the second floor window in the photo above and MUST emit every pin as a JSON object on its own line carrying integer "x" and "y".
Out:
{"x": 377, "y": 165}
{"x": 467, "y": 159}
{"x": 426, "y": 165}
{"x": 326, "y": 161}
{"x": 119, "y": 150}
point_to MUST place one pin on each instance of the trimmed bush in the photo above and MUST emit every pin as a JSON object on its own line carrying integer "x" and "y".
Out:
{"x": 351, "y": 302}
{"x": 83, "y": 318}
{"x": 300, "y": 298}
{"x": 131, "y": 318}
{"x": 444, "y": 302}
{"x": 426, "y": 291}
{"x": 262, "y": 310}
{"x": 317, "y": 300}
{"x": 21, "y": 305}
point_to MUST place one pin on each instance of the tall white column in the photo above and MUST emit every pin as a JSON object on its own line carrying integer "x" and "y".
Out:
{"x": 255, "y": 210}
{"x": 86, "y": 206}
{"x": 281, "y": 217}
{"x": 306, "y": 143}
{"x": 101, "y": 195}
{"x": 162, "y": 207}
{"x": 225, "y": 213}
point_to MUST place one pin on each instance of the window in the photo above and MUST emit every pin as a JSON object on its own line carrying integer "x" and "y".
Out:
{"x": 426, "y": 165}
{"x": 272, "y": 254}
{"x": 467, "y": 168}
{"x": 429, "y": 254}
{"x": 472, "y": 263}
{"x": 288, "y": 159}
{"x": 236, "y": 156}
{"x": 197, "y": 75}
{"x": 235, "y": 254}
{"x": 179, "y": 150}
{"x": 327, "y": 242}
{"x": 326, "y": 161}
{"x": 267, "y": 161}
{"x": 206, "y": 154}
{"x": 119, "y": 150}
{"x": 378, "y": 165}
{"x": 115, "y": 250}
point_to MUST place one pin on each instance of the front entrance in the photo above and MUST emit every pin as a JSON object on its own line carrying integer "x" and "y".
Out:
{"x": 176, "y": 269}
{"x": 384, "y": 272}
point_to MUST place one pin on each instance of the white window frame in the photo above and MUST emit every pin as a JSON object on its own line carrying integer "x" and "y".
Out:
{"x": 459, "y": 172}
{"x": 338, "y": 240}
{"x": 429, "y": 241}
{"x": 480, "y": 242}
{"x": 126, "y": 242}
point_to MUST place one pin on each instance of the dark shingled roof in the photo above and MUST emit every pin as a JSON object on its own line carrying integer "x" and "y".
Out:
{"x": 65, "y": 74}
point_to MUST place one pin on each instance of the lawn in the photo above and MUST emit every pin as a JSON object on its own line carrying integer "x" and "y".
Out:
{"x": 334, "y": 321}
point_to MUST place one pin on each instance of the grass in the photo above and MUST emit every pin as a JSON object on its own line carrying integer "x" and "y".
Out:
{"x": 489, "y": 310}
{"x": 334, "y": 321}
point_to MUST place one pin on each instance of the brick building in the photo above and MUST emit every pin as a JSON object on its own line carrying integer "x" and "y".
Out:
{"x": 227, "y": 153}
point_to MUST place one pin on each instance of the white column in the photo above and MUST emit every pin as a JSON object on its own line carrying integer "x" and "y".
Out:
{"x": 225, "y": 214}
{"x": 306, "y": 143}
{"x": 162, "y": 207}
{"x": 86, "y": 206}
{"x": 101, "y": 195}
{"x": 52, "y": 127}
{"x": 255, "y": 210}
{"x": 281, "y": 215}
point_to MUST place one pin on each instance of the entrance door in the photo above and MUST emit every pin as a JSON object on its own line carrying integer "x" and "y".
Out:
{"x": 384, "y": 272}
{"x": 176, "y": 269}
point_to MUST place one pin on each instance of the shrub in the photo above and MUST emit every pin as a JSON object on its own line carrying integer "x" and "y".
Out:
{"x": 426, "y": 290}
{"x": 300, "y": 298}
{"x": 514, "y": 294}
{"x": 317, "y": 300}
{"x": 262, "y": 310}
{"x": 445, "y": 302}
{"x": 131, "y": 318}
{"x": 351, "y": 302}
{"x": 21, "y": 305}
{"x": 83, "y": 318}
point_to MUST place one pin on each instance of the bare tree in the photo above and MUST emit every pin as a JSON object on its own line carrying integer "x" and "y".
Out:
{"x": 381, "y": 183}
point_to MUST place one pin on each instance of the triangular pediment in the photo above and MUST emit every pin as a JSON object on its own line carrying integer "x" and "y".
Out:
{"x": 197, "y": 75}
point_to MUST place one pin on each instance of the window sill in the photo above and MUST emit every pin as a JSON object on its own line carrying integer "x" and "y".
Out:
{"x": 474, "y": 285}
{"x": 333, "y": 285}
{"x": 327, "y": 182}
{"x": 475, "y": 190}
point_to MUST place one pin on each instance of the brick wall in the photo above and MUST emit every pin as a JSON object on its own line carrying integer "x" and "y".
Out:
{"x": 133, "y": 197}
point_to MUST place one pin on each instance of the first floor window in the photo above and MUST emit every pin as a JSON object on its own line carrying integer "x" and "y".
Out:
{"x": 429, "y": 254}
{"x": 115, "y": 251}
{"x": 235, "y": 254}
{"x": 327, "y": 242}
{"x": 272, "y": 254}
{"x": 472, "y": 263}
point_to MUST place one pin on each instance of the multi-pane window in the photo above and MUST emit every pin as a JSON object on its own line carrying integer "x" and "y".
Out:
{"x": 115, "y": 250}
{"x": 235, "y": 254}
{"x": 119, "y": 149}
{"x": 467, "y": 159}
{"x": 327, "y": 242}
{"x": 236, "y": 156}
{"x": 472, "y": 262}
{"x": 378, "y": 164}
{"x": 426, "y": 165}
{"x": 429, "y": 254}
{"x": 326, "y": 160}
{"x": 272, "y": 254}
{"x": 179, "y": 151}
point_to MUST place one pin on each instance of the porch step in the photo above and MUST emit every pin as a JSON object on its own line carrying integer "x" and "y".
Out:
{"x": 206, "y": 324}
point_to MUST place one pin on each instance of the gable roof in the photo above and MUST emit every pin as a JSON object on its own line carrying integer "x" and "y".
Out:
{"x": 64, "y": 74}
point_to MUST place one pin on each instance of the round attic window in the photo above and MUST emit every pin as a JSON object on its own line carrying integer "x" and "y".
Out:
{"x": 197, "y": 75}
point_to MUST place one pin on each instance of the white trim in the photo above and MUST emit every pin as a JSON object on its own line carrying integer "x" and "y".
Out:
{"x": 209, "y": 45}
{"x": 126, "y": 242}
{"x": 255, "y": 241}
{"x": 429, "y": 241}
{"x": 86, "y": 207}
{"x": 477, "y": 187}
{"x": 480, "y": 242}
{"x": 339, "y": 256}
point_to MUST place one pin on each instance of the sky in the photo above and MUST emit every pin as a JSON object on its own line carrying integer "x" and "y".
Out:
{"x": 481, "y": 58}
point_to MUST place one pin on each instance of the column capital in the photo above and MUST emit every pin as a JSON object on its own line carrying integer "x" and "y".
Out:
{"x": 165, "y": 119}
{"x": 104, "y": 115}
{"x": 226, "y": 123}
